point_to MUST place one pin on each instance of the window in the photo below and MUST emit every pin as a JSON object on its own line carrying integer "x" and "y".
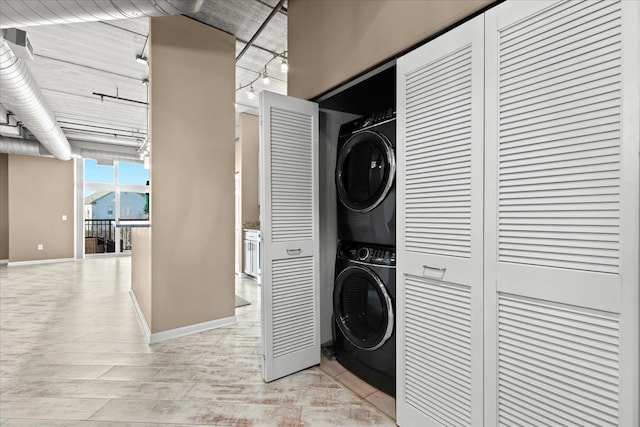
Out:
{"x": 132, "y": 174}
{"x": 94, "y": 172}
{"x": 113, "y": 192}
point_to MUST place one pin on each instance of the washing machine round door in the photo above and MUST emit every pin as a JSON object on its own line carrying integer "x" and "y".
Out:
{"x": 363, "y": 308}
{"x": 365, "y": 170}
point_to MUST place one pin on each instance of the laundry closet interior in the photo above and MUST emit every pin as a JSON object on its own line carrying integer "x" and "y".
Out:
{"x": 357, "y": 219}
{"x": 516, "y": 291}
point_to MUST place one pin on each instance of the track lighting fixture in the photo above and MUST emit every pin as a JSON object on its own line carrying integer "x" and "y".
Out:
{"x": 145, "y": 82}
{"x": 264, "y": 75}
{"x": 142, "y": 60}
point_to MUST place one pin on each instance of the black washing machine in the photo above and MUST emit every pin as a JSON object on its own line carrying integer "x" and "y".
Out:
{"x": 364, "y": 313}
{"x": 365, "y": 179}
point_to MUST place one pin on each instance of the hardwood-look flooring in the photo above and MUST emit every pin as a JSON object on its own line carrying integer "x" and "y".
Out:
{"x": 72, "y": 353}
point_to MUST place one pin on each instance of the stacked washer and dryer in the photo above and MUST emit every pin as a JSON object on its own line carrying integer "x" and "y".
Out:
{"x": 365, "y": 288}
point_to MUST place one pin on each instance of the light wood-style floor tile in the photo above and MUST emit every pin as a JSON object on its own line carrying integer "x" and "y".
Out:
{"x": 383, "y": 402}
{"x": 356, "y": 384}
{"x": 72, "y": 353}
{"x": 49, "y": 408}
{"x": 198, "y": 412}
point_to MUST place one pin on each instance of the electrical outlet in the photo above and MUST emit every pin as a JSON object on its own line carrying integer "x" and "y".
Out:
{"x": 64, "y": 217}
{"x": 40, "y": 247}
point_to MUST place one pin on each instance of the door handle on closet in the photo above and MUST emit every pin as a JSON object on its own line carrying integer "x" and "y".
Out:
{"x": 294, "y": 251}
{"x": 436, "y": 269}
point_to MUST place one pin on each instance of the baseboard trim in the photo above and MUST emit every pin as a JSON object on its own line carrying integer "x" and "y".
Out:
{"x": 143, "y": 321}
{"x": 4, "y": 261}
{"x": 39, "y": 261}
{"x": 178, "y": 332}
{"x": 107, "y": 255}
{"x": 191, "y": 329}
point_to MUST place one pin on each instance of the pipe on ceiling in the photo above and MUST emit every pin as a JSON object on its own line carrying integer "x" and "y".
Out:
{"x": 19, "y": 14}
{"x": 104, "y": 138}
{"x": 31, "y": 147}
{"x": 22, "y": 147}
{"x": 246, "y": 47}
{"x": 20, "y": 93}
{"x": 27, "y": 14}
{"x": 108, "y": 155}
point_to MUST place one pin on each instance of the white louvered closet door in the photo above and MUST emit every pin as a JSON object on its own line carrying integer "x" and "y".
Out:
{"x": 289, "y": 225}
{"x": 562, "y": 213}
{"x": 439, "y": 222}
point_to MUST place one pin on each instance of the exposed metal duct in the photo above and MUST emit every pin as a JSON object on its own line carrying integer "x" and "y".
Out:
{"x": 103, "y": 138}
{"x": 22, "y": 146}
{"x": 31, "y": 147}
{"x": 26, "y": 14}
{"x": 19, "y": 91}
{"x": 21, "y": 94}
{"x": 109, "y": 155}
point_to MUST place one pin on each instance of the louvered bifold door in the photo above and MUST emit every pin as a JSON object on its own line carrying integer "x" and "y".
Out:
{"x": 562, "y": 213}
{"x": 289, "y": 225}
{"x": 439, "y": 222}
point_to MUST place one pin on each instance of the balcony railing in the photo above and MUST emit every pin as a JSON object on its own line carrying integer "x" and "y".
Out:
{"x": 100, "y": 236}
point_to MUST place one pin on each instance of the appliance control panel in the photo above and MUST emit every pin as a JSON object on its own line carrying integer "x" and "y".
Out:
{"x": 377, "y": 117}
{"x": 368, "y": 253}
{"x": 368, "y": 121}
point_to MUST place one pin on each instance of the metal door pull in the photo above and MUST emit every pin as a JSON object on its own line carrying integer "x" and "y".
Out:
{"x": 439, "y": 270}
{"x": 294, "y": 251}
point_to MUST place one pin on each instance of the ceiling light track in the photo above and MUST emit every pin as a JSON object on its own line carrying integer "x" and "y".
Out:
{"x": 271, "y": 76}
{"x": 257, "y": 46}
{"x": 284, "y": 68}
{"x": 117, "y": 134}
{"x": 119, "y": 98}
{"x": 122, "y": 28}
{"x": 262, "y": 27}
{"x": 282, "y": 10}
{"x": 142, "y": 59}
{"x": 106, "y": 129}
{"x": 85, "y": 66}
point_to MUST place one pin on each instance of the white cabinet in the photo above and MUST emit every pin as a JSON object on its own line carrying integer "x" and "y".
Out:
{"x": 518, "y": 212}
{"x": 561, "y": 152}
{"x": 289, "y": 223}
{"x": 518, "y": 207}
{"x": 440, "y": 211}
{"x": 252, "y": 254}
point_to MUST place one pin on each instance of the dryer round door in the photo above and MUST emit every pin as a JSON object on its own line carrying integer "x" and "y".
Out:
{"x": 365, "y": 170}
{"x": 363, "y": 308}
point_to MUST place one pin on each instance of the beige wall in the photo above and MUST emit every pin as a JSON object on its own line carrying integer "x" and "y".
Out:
{"x": 249, "y": 177}
{"x": 40, "y": 192}
{"x": 141, "y": 269}
{"x": 247, "y": 166}
{"x": 4, "y": 206}
{"x": 331, "y": 41}
{"x": 192, "y": 171}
